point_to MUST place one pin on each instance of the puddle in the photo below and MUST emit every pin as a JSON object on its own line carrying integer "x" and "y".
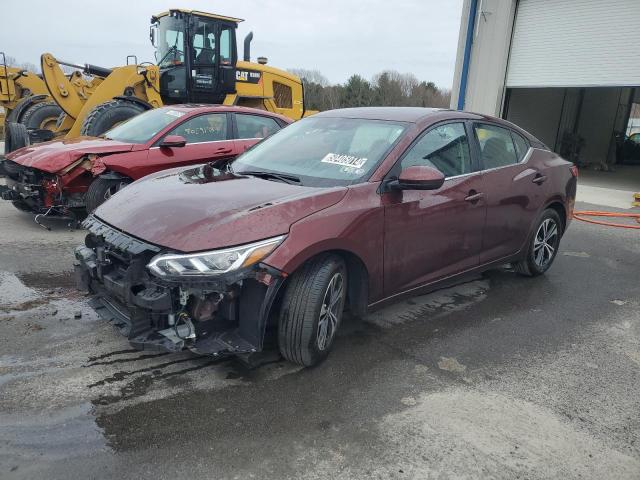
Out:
{"x": 41, "y": 280}
{"x": 431, "y": 305}
{"x": 67, "y": 432}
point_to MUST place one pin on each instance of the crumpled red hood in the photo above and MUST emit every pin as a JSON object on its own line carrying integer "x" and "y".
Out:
{"x": 53, "y": 156}
{"x": 167, "y": 210}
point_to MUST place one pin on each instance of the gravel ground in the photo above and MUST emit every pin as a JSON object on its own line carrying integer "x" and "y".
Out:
{"x": 501, "y": 377}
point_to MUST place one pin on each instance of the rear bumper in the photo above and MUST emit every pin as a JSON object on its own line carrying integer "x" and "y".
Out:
{"x": 158, "y": 315}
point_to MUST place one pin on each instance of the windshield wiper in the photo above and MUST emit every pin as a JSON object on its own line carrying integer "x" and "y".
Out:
{"x": 292, "y": 179}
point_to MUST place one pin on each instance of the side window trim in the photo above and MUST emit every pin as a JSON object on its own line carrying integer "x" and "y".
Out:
{"x": 394, "y": 171}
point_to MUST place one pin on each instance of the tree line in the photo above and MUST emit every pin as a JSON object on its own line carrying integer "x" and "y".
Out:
{"x": 387, "y": 88}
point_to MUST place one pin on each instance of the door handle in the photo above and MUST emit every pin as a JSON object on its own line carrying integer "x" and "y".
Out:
{"x": 223, "y": 150}
{"x": 539, "y": 179}
{"x": 473, "y": 196}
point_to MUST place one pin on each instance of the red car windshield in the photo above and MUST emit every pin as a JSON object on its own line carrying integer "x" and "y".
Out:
{"x": 324, "y": 151}
{"x": 143, "y": 127}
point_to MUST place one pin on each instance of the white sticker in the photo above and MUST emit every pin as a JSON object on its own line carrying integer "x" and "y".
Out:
{"x": 174, "y": 113}
{"x": 344, "y": 160}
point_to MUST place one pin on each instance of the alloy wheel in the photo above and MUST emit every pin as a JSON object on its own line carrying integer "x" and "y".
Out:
{"x": 545, "y": 243}
{"x": 113, "y": 189}
{"x": 330, "y": 311}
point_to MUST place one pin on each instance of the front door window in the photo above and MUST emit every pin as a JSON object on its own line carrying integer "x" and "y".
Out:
{"x": 203, "y": 128}
{"x": 445, "y": 148}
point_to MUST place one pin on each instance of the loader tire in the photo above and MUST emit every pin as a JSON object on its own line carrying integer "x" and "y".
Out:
{"x": 107, "y": 115}
{"x": 43, "y": 115}
{"x": 16, "y": 136}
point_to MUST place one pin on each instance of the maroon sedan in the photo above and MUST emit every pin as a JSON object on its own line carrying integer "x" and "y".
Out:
{"x": 346, "y": 209}
{"x": 64, "y": 175}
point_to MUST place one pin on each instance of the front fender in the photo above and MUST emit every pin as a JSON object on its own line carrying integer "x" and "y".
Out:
{"x": 358, "y": 230}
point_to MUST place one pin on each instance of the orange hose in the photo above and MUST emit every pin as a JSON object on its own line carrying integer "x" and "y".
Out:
{"x": 579, "y": 215}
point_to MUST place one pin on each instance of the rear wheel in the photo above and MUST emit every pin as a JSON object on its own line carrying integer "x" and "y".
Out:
{"x": 101, "y": 190}
{"x": 107, "y": 115}
{"x": 543, "y": 247}
{"x": 43, "y": 115}
{"x": 311, "y": 310}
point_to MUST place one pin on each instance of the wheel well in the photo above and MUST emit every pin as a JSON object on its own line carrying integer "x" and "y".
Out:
{"x": 559, "y": 208}
{"x": 358, "y": 280}
{"x": 113, "y": 175}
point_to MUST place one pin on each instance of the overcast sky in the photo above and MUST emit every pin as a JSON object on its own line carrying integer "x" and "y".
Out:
{"x": 338, "y": 38}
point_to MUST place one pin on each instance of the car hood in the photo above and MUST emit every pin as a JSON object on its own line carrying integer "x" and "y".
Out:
{"x": 170, "y": 210}
{"x": 58, "y": 154}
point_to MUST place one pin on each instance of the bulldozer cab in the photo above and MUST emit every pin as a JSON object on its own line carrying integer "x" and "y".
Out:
{"x": 196, "y": 53}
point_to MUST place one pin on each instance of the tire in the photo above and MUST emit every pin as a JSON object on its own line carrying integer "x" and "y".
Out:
{"x": 16, "y": 136}
{"x": 540, "y": 255}
{"x": 303, "y": 311}
{"x": 101, "y": 189}
{"x": 107, "y": 115}
{"x": 43, "y": 115}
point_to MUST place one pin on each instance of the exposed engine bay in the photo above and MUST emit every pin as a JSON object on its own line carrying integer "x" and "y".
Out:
{"x": 223, "y": 314}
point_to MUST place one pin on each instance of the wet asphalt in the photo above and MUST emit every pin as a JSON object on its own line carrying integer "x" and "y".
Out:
{"x": 499, "y": 377}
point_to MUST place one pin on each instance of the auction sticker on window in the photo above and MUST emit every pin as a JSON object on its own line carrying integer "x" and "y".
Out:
{"x": 344, "y": 160}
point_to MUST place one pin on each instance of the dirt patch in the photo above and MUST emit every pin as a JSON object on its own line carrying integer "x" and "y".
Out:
{"x": 21, "y": 307}
{"x": 32, "y": 327}
{"x": 450, "y": 364}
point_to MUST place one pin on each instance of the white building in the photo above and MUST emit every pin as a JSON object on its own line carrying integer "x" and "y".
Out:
{"x": 566, "y": 70}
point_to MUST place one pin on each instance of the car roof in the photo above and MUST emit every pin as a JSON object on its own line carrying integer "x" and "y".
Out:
{"x": 197, "y": 108}
{"x": 399, "y": 114}
{"x": 421, "y": 116}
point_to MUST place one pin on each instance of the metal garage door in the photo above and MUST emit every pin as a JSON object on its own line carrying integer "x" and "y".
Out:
{"x": 563, "y": 43}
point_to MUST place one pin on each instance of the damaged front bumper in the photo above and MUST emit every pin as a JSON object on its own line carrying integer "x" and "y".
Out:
{"x": 38, "y": 192}
{"x": 222, "y": 314}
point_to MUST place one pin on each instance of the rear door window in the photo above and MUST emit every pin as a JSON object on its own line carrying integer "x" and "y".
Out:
{"x": 496, "y": 146}
{"x": 522, "y": 146}
{"x": 445, "y": 148}
{"x": 203, "y": 128}
{"x": 255, "y": 126}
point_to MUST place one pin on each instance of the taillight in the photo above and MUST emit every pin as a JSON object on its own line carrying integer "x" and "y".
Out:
{"x": 574, "y": 170}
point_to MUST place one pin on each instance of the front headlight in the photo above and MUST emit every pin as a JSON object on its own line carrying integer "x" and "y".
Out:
{"x": 214, "y": 262}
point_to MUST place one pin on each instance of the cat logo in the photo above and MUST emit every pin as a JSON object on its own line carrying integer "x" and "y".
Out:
{"x": 249, "y": 76}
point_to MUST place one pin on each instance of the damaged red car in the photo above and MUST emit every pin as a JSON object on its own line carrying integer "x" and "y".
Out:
{"x": 345, "y": 210}
{"x": 64, "y": 176}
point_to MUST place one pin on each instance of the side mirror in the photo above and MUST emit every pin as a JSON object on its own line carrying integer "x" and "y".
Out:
{"x": 173, "y": 141}
{"x": 418, "y": 178}
{"x": 152, "y": 35}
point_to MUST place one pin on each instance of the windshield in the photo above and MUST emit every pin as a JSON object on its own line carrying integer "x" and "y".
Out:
{"x": 324, "y": 151}
{"x": 170, "y": 48}
{"x": 143, "y": 127}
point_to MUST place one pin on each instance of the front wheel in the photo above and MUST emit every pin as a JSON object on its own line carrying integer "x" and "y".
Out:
{"x": 543, "y": 247}
{"x": 312, "y": 309}
{"x": 101, "y": 190}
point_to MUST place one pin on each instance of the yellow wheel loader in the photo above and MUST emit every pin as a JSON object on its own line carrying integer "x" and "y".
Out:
{"x": 20, "y": 90}
{"x": 25, "y": 102}
{"x": 197, "y": 62}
